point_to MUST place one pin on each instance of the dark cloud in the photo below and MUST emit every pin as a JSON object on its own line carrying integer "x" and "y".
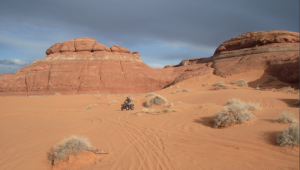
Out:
{"x": 195, "y": 22}
{"x": 36, "y": 24}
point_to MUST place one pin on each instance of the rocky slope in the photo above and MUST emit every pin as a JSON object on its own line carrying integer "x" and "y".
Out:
{"x": 84, "y": 66}
{"x": 277, "y": 52}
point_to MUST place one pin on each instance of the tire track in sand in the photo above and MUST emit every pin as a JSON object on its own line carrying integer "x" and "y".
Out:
{"x": 146, "y": 143}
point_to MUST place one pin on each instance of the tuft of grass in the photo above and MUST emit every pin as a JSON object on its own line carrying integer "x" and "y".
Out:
{"x": 289, "y": 136}
{"x": 174, "y": 92}
{"x": 205, "y": 84}
{"x": 91, "y": 105}
{"x": 221, "y": 84}
{"x": 186, "y": 90}
{"x": 179, "y": 102}
{"x": 112, "y": 102}
{"x": 286, "y": 117}
{"x": 57, "y": 94}
{"x": 206, "y": 104}
{"x": 71, "y": 145}
{"x": 240, "y": 82}
{"x": 149, "y": 94}
{"x": 157, "y": 100}
{"x": 235, "y": 111}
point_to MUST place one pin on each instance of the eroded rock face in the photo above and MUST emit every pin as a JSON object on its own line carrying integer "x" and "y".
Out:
{"x": 84, "y": 66}
{"x": 277, "y": 52}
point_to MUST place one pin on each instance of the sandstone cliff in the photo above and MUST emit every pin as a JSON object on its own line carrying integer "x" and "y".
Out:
{"x": 84, "y": 66}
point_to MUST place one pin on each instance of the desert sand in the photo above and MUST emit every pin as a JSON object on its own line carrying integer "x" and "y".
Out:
{"x": 186, "y": 139}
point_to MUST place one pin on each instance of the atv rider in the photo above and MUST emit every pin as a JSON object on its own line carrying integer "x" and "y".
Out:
{"x": 127, "y": 101}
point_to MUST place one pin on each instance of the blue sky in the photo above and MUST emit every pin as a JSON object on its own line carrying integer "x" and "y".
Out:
{"x": 162, "y": 31}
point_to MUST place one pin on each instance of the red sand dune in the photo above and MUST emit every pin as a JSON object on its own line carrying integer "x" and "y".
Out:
{"x": 30, "y": 126}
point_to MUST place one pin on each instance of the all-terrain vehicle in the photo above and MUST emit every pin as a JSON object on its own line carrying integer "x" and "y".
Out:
{"x": 127, "y": 107}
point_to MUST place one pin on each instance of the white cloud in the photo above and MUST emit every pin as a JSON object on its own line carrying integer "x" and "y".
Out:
{"x": 13, "y": 61}
{"x": 156, "y": 65}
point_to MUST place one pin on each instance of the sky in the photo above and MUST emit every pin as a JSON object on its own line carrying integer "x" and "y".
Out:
{"x": 162, "y": 31}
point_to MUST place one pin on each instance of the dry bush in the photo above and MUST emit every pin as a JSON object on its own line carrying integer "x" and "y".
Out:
{"x": 157, "y": 100}
{"x": 186, "y": 90}
{"x": 240, "y": 82}
{"x": 179, "y": 102}
{"x": 290, "y": 136}
{"x": 286, "y": 117}
{"x": 166, "y": 111}
{"x": 91, "y": 105}
{"x": 149, "y": 94}
{"x": 221, "y": 84}
{"x": 205, "y": 84}
{"x": 174, "y": 92}
{"x": 169, "y": 105}
{"x": 235, "y": 111}
{"x": 68, "y": 146}
{"x": 57, "y": 94}
{"x": 112, "y": 102}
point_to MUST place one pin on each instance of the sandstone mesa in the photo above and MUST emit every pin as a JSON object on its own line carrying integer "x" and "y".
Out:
{"x": 84, "y": 66}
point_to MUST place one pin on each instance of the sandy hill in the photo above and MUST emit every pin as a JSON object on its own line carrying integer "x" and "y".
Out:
{"x": 185, "y": 139}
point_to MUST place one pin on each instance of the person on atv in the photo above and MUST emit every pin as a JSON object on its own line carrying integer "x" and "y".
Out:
{"x": 127, "y": 101}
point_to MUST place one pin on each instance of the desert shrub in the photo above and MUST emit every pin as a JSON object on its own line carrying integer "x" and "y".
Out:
{"x": 186, "y": 90}
{"x": 158, "y": 100}
{"x": 221, "y": 84}
{"x": 169, "y": 104}
{"x": 206, "y": 104}
{"x": 57, "y": 94}
{"x": 112, "y": 102}
{"x": 240, "y": 82}
{"x": 290, "y": 136}
{"x": 235, "y": 111}
{"x": 205, "y": 84}
{"x": 174, "y": 92}
{"x": 149, "y": 94}
{"x": 91, "y": 105}
{"x": 286, "y": 117}
{"x": 179, "y": 102}
{"x": 71, "y": 145}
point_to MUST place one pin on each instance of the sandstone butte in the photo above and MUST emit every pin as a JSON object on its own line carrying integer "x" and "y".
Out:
{"x": 84, "y": 66}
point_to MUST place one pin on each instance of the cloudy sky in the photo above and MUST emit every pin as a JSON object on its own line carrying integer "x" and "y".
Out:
{"x": 163, "y": 31}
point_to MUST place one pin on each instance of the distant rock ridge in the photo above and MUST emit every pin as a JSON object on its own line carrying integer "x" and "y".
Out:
{"x": 84, "y": 66}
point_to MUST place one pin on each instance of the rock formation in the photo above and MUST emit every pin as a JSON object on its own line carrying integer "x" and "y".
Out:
{"x": 275, "y": 51}
{"x": 84, "y": 66}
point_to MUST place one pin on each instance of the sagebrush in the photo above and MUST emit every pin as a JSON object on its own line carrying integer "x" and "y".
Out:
{"x": 286, "y": 117}
{"x": 68, "y": 146}
{"x": 234, "y": 112}
{"x": 240, "y": 82}
{"x": 221, "y": 84}
{"x": 91, "y": 105}
{"x": 157, "y": 100}
{"x": 290, "y": 136}
{"x": 149, "y": 94}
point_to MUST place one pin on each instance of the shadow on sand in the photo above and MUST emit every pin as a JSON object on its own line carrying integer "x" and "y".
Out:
{"x": 271, "y": 137}
{"x": 291, "y": 102}
{"x": 206, "y": 121}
